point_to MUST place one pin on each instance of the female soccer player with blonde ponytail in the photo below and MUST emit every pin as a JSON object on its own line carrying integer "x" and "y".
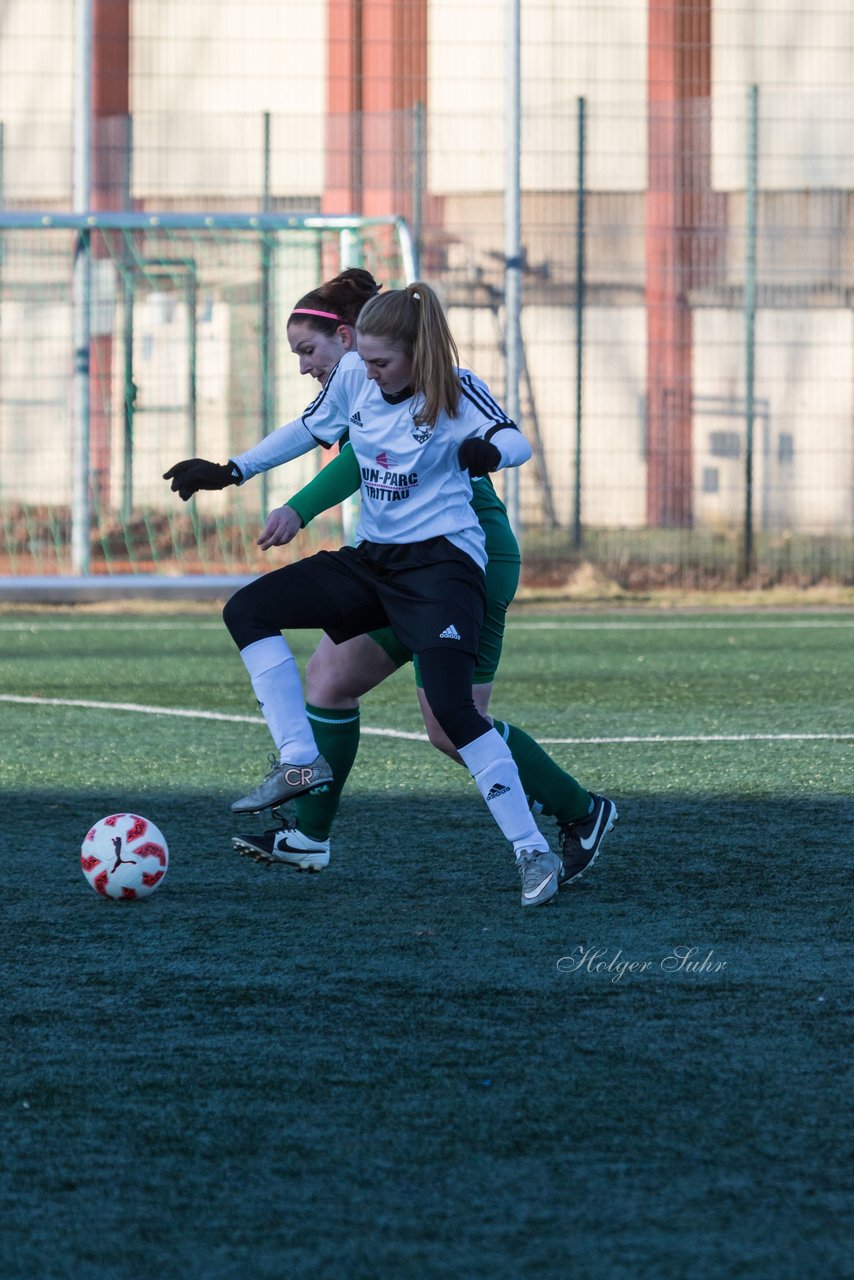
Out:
{"x": 417, "y": 565}
{"x": 401, "y": 331}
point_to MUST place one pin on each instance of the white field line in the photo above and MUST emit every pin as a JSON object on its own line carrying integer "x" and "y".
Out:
{"x": 188, "y": 714}
{"x": 569, "y": 623}
{"x": 179, "y": 712}
{"x": 661, "y": 624}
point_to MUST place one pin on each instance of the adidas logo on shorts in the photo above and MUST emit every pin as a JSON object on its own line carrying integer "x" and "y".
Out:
{"x": 497, "y": 789}
{"x": 356, "y": 419}
{"x": 450, "y": 633}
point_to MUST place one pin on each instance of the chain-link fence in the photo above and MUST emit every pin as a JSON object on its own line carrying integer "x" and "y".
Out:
{"x": 183, "y": 359}
{"x": 686, "y": 364}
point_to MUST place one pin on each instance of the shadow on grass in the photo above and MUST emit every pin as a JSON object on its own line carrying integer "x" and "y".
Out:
{"x": 717, "y": 852}
{"x": 282, "y": 1066}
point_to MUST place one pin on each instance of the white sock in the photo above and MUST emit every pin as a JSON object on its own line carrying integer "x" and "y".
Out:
{"x": 276, "y": 682}
{"x": 493, "y": 768}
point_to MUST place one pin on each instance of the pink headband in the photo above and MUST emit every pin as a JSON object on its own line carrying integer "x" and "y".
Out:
{"x": 307, "y": 311}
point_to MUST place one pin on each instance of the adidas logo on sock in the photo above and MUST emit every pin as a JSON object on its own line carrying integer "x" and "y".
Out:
{"x": 356, "y": 419}
{"x": 450, "y": 633}
{"x": 497, "y": 789}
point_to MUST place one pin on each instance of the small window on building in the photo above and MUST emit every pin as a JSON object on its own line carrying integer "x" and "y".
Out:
{"x": 711, "y": 480}
{"x": 785, "y": 447}
{"x": 724, "y": 444}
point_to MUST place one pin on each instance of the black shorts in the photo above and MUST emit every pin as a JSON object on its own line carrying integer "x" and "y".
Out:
{"x": 431, "y": 593}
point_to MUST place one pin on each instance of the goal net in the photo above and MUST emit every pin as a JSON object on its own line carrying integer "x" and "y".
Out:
{"x": 131, "y": 341}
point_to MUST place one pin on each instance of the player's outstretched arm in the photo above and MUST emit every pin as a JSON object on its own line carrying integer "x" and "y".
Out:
{"x": 336, "y": 482}
{"x": 283, "y": 525}
{"x": 193, "y": 474}
{"x": 282, "y": 445}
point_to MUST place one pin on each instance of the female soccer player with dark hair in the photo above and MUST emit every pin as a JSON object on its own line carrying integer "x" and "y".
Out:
{"x": 319, "y": 333}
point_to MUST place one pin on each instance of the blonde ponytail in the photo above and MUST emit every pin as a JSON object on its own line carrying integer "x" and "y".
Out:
{"x": 413, "y": 318}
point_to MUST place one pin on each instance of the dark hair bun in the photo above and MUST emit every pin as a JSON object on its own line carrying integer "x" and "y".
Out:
{"x": 344, "y": 295}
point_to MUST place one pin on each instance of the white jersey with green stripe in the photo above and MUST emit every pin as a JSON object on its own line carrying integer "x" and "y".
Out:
{"x": 412, "y": 486}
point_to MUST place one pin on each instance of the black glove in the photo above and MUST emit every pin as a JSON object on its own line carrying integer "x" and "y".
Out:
{"x": 478, "y": 456}
{"x": 197, "y": 473}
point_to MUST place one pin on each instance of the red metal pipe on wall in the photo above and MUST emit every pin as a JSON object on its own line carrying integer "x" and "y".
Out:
{"x": 110, "y": 158}
{"x": 376, "y": 77}
{"x": 683, "y": 219}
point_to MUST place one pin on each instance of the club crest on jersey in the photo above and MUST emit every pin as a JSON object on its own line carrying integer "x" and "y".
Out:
{"x": 386, "y": 459}
{"x": 421, "y": 434}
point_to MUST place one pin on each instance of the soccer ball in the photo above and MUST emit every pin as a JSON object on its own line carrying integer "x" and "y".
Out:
{"x": 124, "y": 856}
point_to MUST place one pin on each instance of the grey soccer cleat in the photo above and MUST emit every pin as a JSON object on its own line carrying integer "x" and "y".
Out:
{"x": 581, "y": 841}
{"x": 284, "y": 782}
{"x": 287, "y": 845}
{"x": 539, "y": 869}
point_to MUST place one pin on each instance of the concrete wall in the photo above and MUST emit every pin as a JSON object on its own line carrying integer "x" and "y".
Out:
{"x": 804, "y": 424}
{"x": 203, "y": 74}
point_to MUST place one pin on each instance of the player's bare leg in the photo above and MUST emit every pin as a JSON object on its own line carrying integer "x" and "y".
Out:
{"x": 338, "y": 675}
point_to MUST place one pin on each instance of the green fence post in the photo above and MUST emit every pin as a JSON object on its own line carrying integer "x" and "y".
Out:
{"x": 267, "y": 362}
{"x": 418, "y": 170}
{"x": 748, "y": 556}
{"x": 580, "y": 235}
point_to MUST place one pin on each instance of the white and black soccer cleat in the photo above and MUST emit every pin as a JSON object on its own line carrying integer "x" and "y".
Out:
{"x": 285, "y": 845}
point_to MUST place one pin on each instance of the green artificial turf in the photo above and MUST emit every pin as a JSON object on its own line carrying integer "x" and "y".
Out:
{"x": 390, "y": 1069}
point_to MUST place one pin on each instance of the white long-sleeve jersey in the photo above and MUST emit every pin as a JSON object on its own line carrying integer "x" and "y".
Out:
{"x": 412, "y": 485}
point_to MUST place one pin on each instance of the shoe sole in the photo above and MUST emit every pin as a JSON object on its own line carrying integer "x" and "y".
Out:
{"x": 612, "y": 821}
{"x": 307, "y": 861}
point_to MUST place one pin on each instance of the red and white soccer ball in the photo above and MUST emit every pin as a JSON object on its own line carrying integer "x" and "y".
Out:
{"x": 124, "y": 856}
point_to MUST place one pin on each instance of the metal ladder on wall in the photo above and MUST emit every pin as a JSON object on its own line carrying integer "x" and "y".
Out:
{"x": 529, "y": 413}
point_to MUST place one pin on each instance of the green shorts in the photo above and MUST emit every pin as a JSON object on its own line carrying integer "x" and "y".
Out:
{"x": 502, "y": 579}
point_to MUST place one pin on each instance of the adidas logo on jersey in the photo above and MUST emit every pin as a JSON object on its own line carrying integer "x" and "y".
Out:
{"x": 450, "y": 633}
{"x": 497, "y": 789}
{"x": 356, "y": 419}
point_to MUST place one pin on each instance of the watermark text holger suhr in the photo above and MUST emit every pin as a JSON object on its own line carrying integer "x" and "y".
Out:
{"x": 690, "y": 961}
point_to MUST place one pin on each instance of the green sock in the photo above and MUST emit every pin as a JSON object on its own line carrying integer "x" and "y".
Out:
{"x": 337, "y": 736}
{"x": 552, "y": 791}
